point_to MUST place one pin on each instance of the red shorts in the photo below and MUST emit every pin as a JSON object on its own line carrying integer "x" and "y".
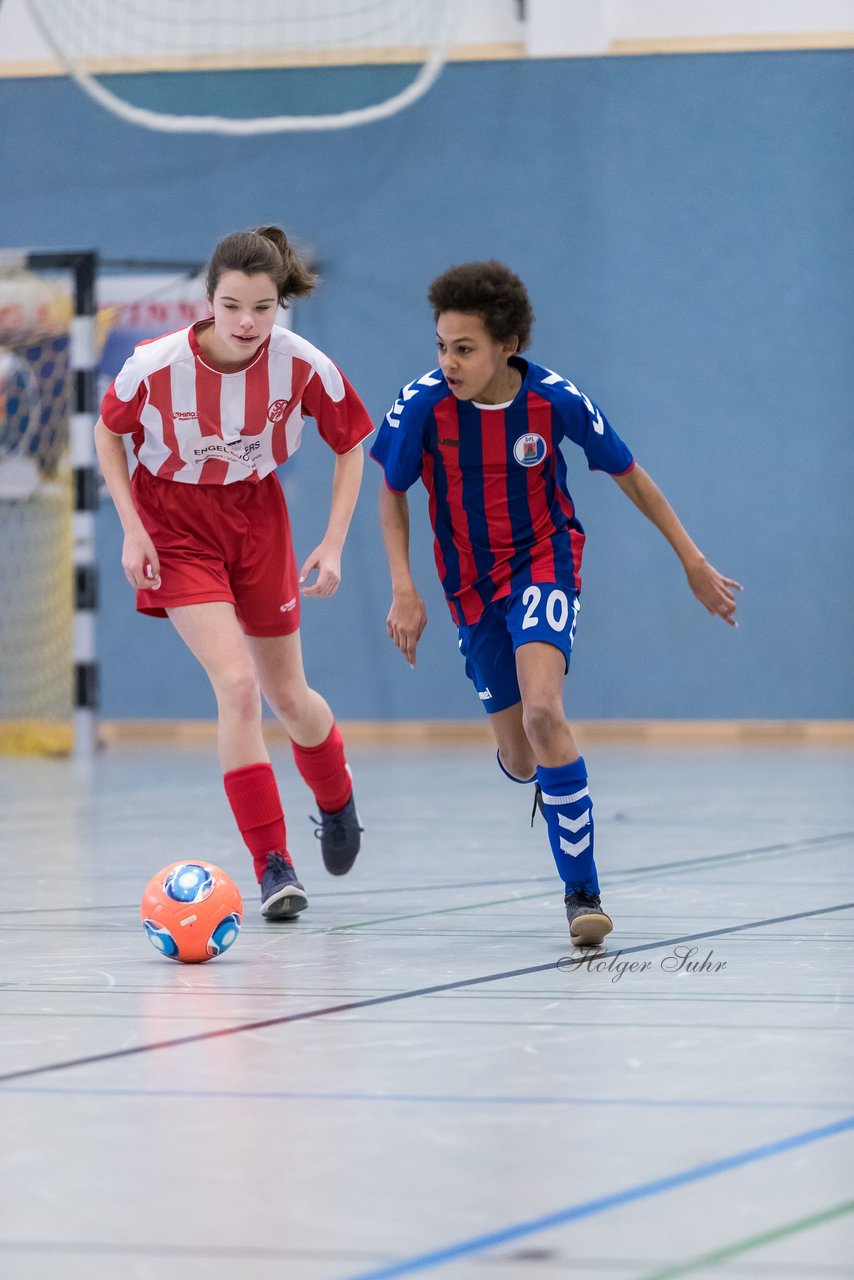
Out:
{"x": 228, "y": 542}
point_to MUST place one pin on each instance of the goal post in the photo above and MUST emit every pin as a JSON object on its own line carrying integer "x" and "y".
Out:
{"x": 68, "y": 321}
{"x": 48, "y": 502}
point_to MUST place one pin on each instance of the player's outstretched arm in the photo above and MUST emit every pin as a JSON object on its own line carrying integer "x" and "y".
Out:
{"x": 407, "y": 616}
{"x": 712, "y": 589}
{"x": 139, "y": 557}
{"x": 326, "y": 557}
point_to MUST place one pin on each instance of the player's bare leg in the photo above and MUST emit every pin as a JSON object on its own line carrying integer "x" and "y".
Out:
{"x": 562, "y": 775}
{"x": 213, "y": 634}
{"x": 515, "y": 753}
{"x": 541, "y": 669}
{"x": 317, "y": 745}
{"x": 302, "y": 710}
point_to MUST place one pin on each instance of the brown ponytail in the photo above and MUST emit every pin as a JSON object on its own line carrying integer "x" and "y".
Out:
{"x": 267, "y": 251}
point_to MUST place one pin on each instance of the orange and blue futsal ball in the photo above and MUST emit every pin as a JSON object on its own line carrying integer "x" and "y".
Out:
{"x": 191, "y": 911}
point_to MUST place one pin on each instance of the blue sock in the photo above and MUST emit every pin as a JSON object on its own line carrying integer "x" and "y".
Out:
{"x": 569, "y": 818}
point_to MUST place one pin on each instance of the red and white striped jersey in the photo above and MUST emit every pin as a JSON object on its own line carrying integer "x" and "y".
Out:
{"x": 196, "y": 424}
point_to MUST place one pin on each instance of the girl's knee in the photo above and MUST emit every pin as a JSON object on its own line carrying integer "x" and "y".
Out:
{"x": 238, "y": 692}
{"x": 543, "y": 719}
{"x": 289, "y": 700}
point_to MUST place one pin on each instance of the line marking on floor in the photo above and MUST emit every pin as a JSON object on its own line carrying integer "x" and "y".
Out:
{"x": 590, "y": 1208}
{"x": 752, "y": 1242}
{"x": 350, "y": 1006}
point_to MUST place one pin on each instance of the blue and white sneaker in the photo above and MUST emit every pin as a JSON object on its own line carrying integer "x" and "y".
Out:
{"x": 282, "y": 895}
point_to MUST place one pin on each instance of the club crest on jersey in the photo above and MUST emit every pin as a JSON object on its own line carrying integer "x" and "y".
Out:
{"x": 277, "y": 410}
{"x": 529, "y": 450}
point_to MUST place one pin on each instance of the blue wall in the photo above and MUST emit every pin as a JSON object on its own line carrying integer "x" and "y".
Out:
{"x": 683, "y": 225}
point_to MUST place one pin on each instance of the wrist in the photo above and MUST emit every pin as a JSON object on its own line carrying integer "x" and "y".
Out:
{"x": 692, "y": 559}
{"x": 131, "y": 524}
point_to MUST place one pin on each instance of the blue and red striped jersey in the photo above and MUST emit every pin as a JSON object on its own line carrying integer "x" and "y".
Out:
{"x": 499, "y": 504}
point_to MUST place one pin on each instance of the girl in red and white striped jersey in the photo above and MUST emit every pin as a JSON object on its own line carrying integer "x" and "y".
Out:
{"x": 212, "y": 410}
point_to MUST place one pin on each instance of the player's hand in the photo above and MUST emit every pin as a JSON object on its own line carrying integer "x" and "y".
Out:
{"x": 406, "y": 621}
{"x": 327, "y": 561}
{"x": 140, "y": 561}
{"x": 713, "y": 590}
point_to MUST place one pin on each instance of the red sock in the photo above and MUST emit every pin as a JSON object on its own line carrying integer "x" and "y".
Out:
{"x": 324, "y": 769}
{"x": 254, "y": 799}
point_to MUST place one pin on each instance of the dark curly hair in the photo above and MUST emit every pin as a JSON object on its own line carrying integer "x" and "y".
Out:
{"x": 489, "y": 290}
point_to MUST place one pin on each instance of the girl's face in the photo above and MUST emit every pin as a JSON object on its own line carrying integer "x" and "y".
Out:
{"x": 244, "y": 310}
{"x": 473, "y": 362}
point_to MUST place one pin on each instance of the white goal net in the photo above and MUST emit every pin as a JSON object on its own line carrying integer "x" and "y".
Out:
{"x": 36, "y": 586}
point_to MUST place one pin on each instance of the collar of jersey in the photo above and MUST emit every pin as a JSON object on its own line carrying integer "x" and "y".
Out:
{"x": 206, "y": 360}
{"x": 518, "y": 363}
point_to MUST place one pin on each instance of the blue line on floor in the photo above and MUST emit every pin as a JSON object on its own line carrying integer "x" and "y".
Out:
{"x": 588, "y": 1208}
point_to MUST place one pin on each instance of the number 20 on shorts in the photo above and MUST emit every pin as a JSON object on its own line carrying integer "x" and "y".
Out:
{"x": 557, "y": 608}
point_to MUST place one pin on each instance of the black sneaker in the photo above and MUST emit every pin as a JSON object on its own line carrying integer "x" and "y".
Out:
{"x": 588, "y": 924}
{"x": 282, "y": 895}
{"x": 340, "y": 837}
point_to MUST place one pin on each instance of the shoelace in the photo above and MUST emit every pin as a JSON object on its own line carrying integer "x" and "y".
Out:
{"x": 279, "y": 859}
{"x": 585, "y": 900}
{"x": 538, "y": 802}
{"x": 336, "y": 823}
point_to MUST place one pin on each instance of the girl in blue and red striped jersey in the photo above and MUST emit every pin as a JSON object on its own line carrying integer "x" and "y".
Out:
{"x": 483, "y": 432}
{"x": 212, "y": 410}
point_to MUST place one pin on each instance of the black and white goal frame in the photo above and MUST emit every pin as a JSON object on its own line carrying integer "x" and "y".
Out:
{"x": 84, "y": 265}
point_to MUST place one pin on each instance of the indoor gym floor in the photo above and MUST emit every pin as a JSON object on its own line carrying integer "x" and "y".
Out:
{"x": 405, "y": 1081}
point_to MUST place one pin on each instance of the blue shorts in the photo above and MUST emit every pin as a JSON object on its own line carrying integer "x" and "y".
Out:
{"x": 546, "y": 612}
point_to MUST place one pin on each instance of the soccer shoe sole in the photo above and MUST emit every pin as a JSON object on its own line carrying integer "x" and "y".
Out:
{"x": 590, "y": 929}
{"x": 286, "y": 904}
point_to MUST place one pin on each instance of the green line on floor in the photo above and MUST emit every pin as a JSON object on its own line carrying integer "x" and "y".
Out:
{"x": 439, "y": 911}
{"x": 752, "y": 1242}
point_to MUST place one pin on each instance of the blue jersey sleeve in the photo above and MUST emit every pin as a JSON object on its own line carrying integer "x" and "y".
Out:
{"x": 586, "y": 425}
{"x": 399, "y": 447}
